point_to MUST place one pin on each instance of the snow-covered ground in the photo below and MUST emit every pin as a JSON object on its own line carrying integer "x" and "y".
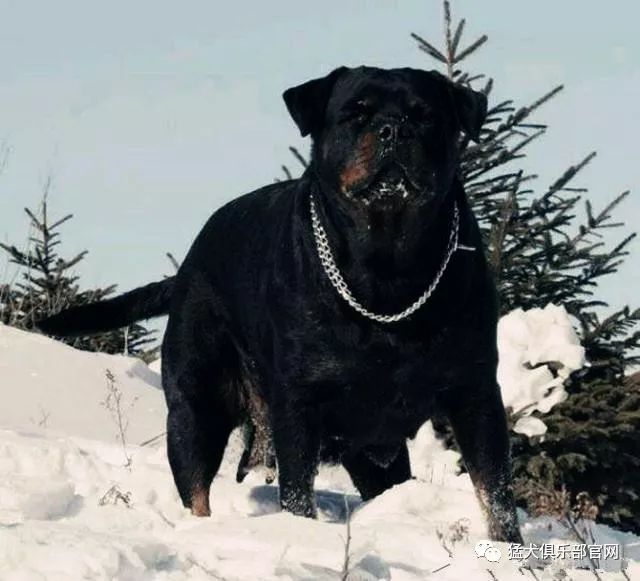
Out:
{"x": 71, "y": 508}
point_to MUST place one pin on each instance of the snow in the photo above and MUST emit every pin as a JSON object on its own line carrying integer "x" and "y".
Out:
{"x": 530, "y": 426}
{"x": 71, "y": 508}
{"x": 531, "y": 344}
{"x": 49, "y": 383}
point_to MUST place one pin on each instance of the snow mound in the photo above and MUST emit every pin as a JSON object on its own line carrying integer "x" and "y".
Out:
{"x": 538, "y": 350}
{"x": 75, "y": 504}
{"x": 49, "y": 384}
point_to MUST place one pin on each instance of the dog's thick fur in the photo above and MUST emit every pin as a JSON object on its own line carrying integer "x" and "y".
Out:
{"x": 254, "y": 318}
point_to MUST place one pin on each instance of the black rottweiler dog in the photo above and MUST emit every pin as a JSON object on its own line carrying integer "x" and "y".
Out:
{"x": 351, "y": 303}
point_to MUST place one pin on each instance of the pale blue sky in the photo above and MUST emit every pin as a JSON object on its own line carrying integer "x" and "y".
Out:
{"x": 151, "y": 114}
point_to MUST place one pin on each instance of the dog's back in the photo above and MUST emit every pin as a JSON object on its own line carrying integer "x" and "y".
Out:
{"x": 232, "y": 242}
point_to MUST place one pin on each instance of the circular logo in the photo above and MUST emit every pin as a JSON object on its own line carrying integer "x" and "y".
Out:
{"x": 481, "y": 547}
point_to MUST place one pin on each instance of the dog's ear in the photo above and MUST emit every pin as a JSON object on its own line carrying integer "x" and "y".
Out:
{"x": 471, "y": 109}
{"x": 307, "y": 102}
{"x": 469, "y": 106}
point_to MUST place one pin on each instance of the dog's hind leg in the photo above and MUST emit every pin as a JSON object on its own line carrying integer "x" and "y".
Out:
{"x": 371, "y": 477}
{"x": 196, "y": 440}
{"x": 198, "y": 381}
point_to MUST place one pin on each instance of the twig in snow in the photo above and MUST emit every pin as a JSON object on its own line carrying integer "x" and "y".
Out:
{"x": 113, "y": 495}
{"x": 441, "y": 568}
{"x": 347, "y": 543}
{"x": 44, "y": 418}
{"x": 163, "y": 517}
{"x": 152, "y": 440}
{"x": 569, "y": 523}
{"x": 530, "y": 569}
{"x": 113, "y": 403}
{"x": 458, "y": 531}
{"x": 443, "y": 542}
{"x": 209, "y": 572}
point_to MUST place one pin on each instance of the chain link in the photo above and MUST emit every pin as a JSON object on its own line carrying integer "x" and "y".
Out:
{"x": 337, "y": 280}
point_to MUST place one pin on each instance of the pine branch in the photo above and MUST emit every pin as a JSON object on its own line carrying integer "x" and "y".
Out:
{"x": 428, "y": 48}
{"x": 473, "y": 47}
{"x": 303, "y": 162}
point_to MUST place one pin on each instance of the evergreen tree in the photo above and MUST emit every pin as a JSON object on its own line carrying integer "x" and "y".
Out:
{"x": 540, "y": 252}
{"x": 47, "y": 285}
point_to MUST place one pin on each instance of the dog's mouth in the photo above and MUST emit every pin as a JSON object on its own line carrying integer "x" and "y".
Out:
{"x": 389, "y": 187}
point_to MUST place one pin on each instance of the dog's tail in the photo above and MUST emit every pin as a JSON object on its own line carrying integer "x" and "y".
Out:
{"x": 141, "y": 303}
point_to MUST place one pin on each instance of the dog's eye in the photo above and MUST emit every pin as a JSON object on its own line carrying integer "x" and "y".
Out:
{"x": 360, "y": 111}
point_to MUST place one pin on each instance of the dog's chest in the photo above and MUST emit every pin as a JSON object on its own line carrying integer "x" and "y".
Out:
{"x": 372, "y": 383}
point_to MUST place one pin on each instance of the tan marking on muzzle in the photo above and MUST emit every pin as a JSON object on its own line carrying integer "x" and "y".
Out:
{"x": 357, "y": 169}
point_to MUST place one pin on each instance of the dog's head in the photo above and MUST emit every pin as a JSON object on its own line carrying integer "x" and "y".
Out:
{"x": 386, "y": 139}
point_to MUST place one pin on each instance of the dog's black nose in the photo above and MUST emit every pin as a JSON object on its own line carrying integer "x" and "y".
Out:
{"x": 387, "y": 132}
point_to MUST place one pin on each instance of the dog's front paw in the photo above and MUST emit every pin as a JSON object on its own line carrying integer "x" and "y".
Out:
{"x": 505, "y": 532}
{"x": 299, "y": 505}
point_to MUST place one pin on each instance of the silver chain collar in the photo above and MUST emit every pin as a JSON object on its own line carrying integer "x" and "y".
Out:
{"x": 337, "y": 280}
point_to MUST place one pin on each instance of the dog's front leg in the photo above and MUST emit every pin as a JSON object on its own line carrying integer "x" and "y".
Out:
{"x": 477, "y": 416}
{"x": 297, "y": 445}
